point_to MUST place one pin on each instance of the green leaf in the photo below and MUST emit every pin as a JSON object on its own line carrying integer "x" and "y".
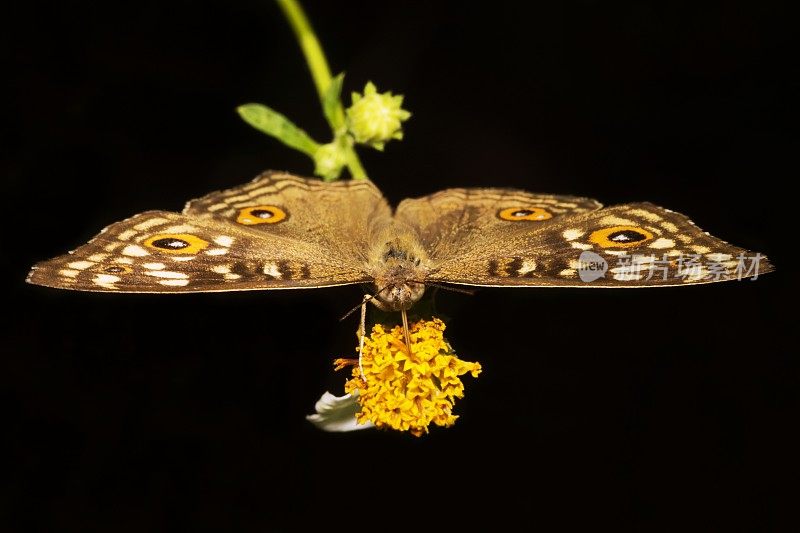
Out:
{"x": 276, "y": 125}
{"x": 332, "y": 103}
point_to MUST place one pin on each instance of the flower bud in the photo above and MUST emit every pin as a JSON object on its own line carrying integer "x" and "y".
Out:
{"x": 374, "y": 118}
{"x": 329, "y": 159}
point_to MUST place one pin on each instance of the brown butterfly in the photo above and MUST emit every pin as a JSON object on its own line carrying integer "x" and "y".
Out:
{"x": 286, "y": 232}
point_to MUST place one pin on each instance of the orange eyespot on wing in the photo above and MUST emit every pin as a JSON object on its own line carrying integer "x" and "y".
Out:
{"x": 176, "y": 243}
{"x": 524, "y": 213}
{"x": 261, "y": 214}
{"x": 620, "y": 237}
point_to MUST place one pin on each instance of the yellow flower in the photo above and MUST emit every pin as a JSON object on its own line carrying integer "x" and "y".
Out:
{"x": 403, "y": 389}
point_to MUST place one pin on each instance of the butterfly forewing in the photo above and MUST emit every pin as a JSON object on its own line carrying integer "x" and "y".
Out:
{"x": 336, "y": 216}
{"x": 631, "y": 245}
{"x": 277, "y": 232}
{"x": 159, "y": 251}
{"x": 452, "y": 221}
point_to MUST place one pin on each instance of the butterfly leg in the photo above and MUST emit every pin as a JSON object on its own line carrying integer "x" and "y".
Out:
{"x": 362, "y": 330}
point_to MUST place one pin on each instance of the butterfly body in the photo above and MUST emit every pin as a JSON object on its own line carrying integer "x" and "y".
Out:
{"x": 398, "y": 265}
{"x": 286, "y": 232}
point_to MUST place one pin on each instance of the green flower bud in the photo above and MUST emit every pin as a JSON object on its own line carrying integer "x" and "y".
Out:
{"x": 329, "y": 160}
{"x": 375, "y": 118}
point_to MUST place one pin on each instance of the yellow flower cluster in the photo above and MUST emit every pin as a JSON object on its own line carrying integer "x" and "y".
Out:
{"x": 404, "y": 389}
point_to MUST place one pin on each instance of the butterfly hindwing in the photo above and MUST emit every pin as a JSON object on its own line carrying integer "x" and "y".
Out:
{"x": 631, "y": 245}
{"x": 159, "y": 251}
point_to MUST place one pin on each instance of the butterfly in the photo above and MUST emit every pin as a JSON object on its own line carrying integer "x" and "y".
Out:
{"x": 282, "y": 231}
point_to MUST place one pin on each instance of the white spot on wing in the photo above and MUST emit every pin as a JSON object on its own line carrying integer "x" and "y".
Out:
{"x": 127, "y": 234}
{"x": 217, "y": 207}
{"x": 217, "y": 251}
{"x": 700, "y": 249}
{"x": 174, "y": 282}
{"x": 154, "y": 266}
{"x": 232, "y": 276}
{"x": 134, "y": 250}
{"x": 581, "y": 245}
{"x": 669, "y": 226}
{"x": 147, "y": 224}
{"x": 572, "y": 234}
{"x": 611, "y": 220}
{"x": 167, "y": 274}
{"x": 183, "y": 258}
{"x": 97, "y": 257}
{"x": 68, "y": 273}
{"x": 647, "y": 215}
{"x": 81, "y": 265}
{"x": 528, "y": 265}
{"x": 627, "y": 277}
{"x": 180, "y": 228}
{"x": 662, "y": 243}
{"x": 106, "y": 280}
{"x": 568, "y": 272}
{"x": 271, "y": 269}
{"x": 221, "y": 269}
{"x": 224, "y": 240}
{"x": 697, "y": 274}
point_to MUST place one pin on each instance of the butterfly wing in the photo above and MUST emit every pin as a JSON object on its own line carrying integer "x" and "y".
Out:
{"x": 277, "y": 232}
{"x": 449, "y": 220}
{"x": 337, "y": 216}
{"x": 631, "y": 245}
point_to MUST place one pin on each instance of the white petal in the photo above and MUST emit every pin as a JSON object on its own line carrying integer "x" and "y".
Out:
{"x": 337, "y": 413}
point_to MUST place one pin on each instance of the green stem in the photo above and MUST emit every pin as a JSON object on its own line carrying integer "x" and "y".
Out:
{"x": 354, "y": 165}
{"x": 309, "y": 43}
{"x": 320, "y": 72}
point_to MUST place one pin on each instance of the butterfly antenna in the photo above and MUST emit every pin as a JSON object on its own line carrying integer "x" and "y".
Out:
{"x": 444, "y": 287}
{"x": 367, "y": 297}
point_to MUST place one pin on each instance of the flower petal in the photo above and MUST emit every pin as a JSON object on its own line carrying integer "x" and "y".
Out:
{"x": 337, "y": 413}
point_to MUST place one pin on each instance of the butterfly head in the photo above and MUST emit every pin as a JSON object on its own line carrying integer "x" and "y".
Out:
{"x": 401, "y": 266}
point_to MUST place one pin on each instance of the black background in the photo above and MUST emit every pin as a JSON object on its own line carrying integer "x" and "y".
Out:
{"x": 652, "y": 410}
